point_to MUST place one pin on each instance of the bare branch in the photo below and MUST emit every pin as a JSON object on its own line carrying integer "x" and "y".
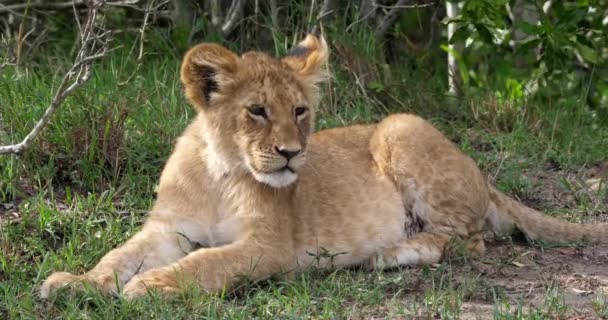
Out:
{"x": 16, "y": 9}
{"x": 392, "y": 16}
{"x": 368, "y": 13}
{"x": 366, "y": 9}
{"x": 93, "y": 46}
{"x": 454, "y": 80}
{"x": 328, "y": 8}
{"x": 3, "y": 134}
{"x": 434, "y": 23}
{"x": 235, "y": 14}
{"x": 410, "y": 6}
{"x": 10, "y": 56}
{"x": 40, "y": 5}
{"x": 123, "y": 3}
{"x": 274, "y": 14}
{"x": 214, "y": 9}
{"x": 142, "y": 33}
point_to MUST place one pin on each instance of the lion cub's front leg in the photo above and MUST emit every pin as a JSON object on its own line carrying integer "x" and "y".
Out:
{"x": 157, "y": 244}
{"x": 254, "y": 257}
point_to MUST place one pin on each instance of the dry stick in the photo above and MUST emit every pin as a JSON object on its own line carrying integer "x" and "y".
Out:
{"x": 310, "y": 13}
{"x": 76, "y": 76}
{"x": 40, "y": 5}
{"x": 454, "y": 80}
{"x": 274, "y": 15}
{"x": 214, "y": 9}
{"x": 327, "y": 9}
{"x": 142, "y": 33}
{"x": 11, "y": 57}
{"x": 235, "y": 13}
{"x": 434, "y": 22}
{"x": 391, "y": 17}
{"x": 15, "y": 8}
{"x": 3, "y": 134}
{"x": 409, "y": 6}
{"x": 367, "y": 15}
{"x": 369, "y": 8}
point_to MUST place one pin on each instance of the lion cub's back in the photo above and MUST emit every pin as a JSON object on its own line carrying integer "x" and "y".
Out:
{"x": 344, "y": 204}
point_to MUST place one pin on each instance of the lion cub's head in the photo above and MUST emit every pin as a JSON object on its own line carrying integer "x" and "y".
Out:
{"x": 258, "y": 111}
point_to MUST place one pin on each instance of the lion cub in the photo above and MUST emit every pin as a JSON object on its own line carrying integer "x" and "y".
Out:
{"x": 252, "y": 184}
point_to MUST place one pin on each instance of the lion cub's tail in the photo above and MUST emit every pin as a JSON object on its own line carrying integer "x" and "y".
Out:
{"x": 506, "y": 213}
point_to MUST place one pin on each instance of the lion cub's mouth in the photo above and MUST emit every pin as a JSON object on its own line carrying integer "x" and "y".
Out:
{"x": 278, "y": 175}
{"x": 285, "y": 168}
{"x": 279, "y": 178}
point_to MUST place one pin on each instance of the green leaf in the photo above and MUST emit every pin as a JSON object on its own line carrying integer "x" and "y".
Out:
{"x": 484, "y": 33}
{"x": 376, "y": 86}
{"x": 584, "y": 40}
{"x": 588, "y": 53}
{"x": 457, "y": 19}
{"x": 572, "y": 17}
{"x": 464, "y": 71}
{"x": 459, "y": 35}
{"x": 515, "y": 90}
{"x": 528, "y": 45}
{"x": 529, "y": 28}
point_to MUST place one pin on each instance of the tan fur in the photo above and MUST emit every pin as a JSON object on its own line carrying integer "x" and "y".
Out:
{"x": 392, "y": 193}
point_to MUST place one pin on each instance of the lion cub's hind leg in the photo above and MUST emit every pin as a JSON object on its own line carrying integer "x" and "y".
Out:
{"x": 441, "y": 188}
{"x": 422, "y": 249}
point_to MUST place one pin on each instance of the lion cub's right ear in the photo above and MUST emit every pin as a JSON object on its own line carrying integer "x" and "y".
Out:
{"x": 206, "y": 69}
{"x": 308, "y": 58}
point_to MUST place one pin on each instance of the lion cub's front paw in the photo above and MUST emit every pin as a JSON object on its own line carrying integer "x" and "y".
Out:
{"x": 159, "y": 280}
{"x": 104, "y": 282}
{"x": 59, "y": 280}
{"x": 375, "y": 263}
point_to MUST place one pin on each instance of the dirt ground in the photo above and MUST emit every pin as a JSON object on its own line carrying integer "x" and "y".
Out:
{"x": 580, "y": 274}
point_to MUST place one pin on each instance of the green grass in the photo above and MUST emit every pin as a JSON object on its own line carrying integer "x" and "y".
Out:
{"x": 87, "y": 183}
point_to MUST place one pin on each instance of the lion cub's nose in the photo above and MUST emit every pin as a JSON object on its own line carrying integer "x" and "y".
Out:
{"x": 288, "y": 154}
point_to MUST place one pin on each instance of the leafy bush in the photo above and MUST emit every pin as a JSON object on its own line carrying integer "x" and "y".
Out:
{"x": 520, "y": 47}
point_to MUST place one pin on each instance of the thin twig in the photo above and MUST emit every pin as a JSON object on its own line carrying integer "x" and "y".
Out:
{"x": 363, "y": 18}
{"x": 434, "y": 22}
{"x": 214, "y": 9}
{"x": 390, "y": 18}
{"x": 274, "y": 15}
{"x": 93, "y": 46}
{"x": 40, "y": 5}
{"x": 17, "y": 8}
{"x": 367, "y": 8}
{"x": 10, "y": 56}
{"x": 328, "y": 8}
{"x": 410, "y": 6}
{"x": 235, "y": 13}
{"x": 454, "y": 79}
{"x": 3, "y": 134}
{"x": 142, "y": 33}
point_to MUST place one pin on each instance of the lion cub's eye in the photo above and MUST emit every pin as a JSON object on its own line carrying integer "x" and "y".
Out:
{"x": 257, "y": 111}
{"x": 300, "y": 111}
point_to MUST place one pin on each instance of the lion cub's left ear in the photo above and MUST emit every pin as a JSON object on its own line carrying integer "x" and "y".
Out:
{"x": 207, "y": 69}
{"x": 308, "y": 59}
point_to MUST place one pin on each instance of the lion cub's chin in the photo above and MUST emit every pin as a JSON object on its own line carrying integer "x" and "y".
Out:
{"x": 278, "y": 179}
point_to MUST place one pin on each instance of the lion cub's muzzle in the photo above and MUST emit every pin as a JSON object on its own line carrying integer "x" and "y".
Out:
{"x": 280, "y": 168}
{"x": 289, "y": 155}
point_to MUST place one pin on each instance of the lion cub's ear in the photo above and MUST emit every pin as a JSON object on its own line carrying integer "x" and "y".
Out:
{"x": 206, "y": 69}
{"x": 308, "y": 59}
